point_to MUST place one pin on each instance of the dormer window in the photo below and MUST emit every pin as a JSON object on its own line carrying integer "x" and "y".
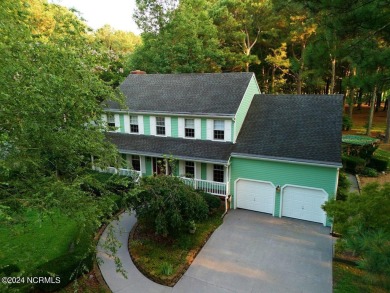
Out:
{"x": 134, "y": 124}
{"x": 160, "y": 125}
{"x": 219, "y": 129}
{"x": 189, "y": 128}
{"x": 111, "y": 121}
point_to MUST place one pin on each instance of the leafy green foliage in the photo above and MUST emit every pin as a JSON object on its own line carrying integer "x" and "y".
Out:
{"x": 167, "y": 205}
{"x": 363, "y": 222}
{"x": 353, "y": 164}
{"x": 379, "y": 163}
{"x": 347, "y": 122}
{"x": 370, "y": 172}
{"x": 343, "y": 186}
{"x": 213, "y": 202}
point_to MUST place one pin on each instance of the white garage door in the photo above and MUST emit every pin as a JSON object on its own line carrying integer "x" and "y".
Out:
{"x": 303, "y": 203}
{"x": 255, "y": 196}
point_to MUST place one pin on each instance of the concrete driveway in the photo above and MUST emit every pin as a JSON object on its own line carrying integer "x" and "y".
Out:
{"x": 254, "y": 252}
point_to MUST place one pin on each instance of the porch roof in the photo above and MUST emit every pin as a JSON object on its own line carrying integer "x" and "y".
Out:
{"x": 179, "y": 148}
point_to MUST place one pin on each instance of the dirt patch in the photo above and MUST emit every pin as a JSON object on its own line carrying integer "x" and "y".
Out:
{"x": 381, "y": 179}
{"x": 360, "y": 118}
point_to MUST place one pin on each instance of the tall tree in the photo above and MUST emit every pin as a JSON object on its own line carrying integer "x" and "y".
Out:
{"x": 188, "y": 43}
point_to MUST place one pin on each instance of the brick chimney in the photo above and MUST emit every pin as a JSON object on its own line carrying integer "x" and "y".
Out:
{"x": 138, "y": 72}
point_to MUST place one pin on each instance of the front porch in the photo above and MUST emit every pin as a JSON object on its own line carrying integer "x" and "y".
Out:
{"x": 211, "y": 178}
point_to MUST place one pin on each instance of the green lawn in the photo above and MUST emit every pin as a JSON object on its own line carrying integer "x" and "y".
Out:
{"x": 36, "y": 241}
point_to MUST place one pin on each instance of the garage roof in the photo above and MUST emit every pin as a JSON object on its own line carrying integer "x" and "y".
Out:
{"x": 293, "y": 127}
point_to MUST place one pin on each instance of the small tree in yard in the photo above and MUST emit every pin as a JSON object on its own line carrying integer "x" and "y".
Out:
{"x": 363, "y": 221}
{"x": 167, "y": 205}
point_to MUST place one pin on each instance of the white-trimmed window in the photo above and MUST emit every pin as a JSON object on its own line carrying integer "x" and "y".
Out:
{"x": 134, "y": 128}
{"x": 218, "y": 173}
{"x": 189, "y": 169}
{"x": 189, "y": 128}
{"x": 111, "y": 121}
{"x": 160, "y": 125}
{"x": 136, "y": 162}
{"x": 219, "y": 129}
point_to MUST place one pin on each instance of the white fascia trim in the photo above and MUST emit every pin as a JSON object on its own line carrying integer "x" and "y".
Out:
{"x": 286, "y": 160}
{"x": 179, "y": 114}
{"x": 184, "y": 158}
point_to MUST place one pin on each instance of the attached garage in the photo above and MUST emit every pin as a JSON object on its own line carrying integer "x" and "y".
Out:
{"x": 255, "y": 195}
{"x": 303, "y": 203}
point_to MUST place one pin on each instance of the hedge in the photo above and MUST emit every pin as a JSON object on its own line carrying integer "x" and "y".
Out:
{"x": 353, "y": 164}
{"x": 378, "y": 163}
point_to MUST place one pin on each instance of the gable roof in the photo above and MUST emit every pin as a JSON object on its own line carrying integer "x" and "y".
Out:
{"x": 196, "y": 94}
{"x": 179, "y": 148}
{"x": 304, "y": 128}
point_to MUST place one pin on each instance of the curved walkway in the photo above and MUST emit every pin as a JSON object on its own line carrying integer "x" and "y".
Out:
{"x": 135, "y": 281}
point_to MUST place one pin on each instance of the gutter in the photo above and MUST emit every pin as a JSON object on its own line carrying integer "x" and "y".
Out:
{"x": 166, "y": 113}
{"x": 287, "y": 160}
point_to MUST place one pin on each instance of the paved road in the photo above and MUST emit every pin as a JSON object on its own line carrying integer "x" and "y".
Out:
{"x": 250, "y": 252}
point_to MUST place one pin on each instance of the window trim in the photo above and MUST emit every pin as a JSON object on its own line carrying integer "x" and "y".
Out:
{"x": 185, "y": 168}
{"x": 161, "y": 126}
{"x": 133, "y": 124}
{"x": 138, "y": 158}
{"x": 189, "y": 128}
{"x": 220, "y": 168}
{"x": 221, "y": 131}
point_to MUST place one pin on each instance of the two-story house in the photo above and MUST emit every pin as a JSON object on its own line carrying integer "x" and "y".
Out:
{"x": 267, "y": 153}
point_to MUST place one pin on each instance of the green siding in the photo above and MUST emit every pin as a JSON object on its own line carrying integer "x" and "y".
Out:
{"x": 122, "y": 122}
{"x": 281, "y": 173}
{"x": 147, "y": 125}
{"x": 174, "y": 127}
{"x": 203, "y": 128}
{"x": 203, "y": 171}
{"x": 148, "y": 167}
{"x": 244, "y": 106}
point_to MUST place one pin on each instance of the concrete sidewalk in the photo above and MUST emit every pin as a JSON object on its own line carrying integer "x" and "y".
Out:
{"x": 135, "y": 282}
{"x": 354, "y": 183}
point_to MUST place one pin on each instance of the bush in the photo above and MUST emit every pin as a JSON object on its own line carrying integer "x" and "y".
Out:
{"x": 347, "y": 122}
{"x": 378, "y": 163}
{"x": 343, "y": 186}
{"x": 213, "y": 201}
{"x": 353, "y": 164}
{"x": 167, "y": 205}
{"x": 370, "y": 172}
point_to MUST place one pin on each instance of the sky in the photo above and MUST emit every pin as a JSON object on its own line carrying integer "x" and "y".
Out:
{"x": 116, "y": 13}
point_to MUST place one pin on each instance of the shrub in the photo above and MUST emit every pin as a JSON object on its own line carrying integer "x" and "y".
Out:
{"x": 167, "y": 205}
{"x": 343, "y": 186}
{"x": 353, "y": 164}
{"x": 378, "y": 163}
{"x": 370, "y": 172}
{"x": 212, "y": 201}
{"x": 347, "y": 122}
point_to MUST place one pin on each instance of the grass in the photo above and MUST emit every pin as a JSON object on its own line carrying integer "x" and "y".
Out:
{"x": 347, "y": 277}
{"x": 36, "y": 240}
{"x": 360, "y": 118}
{"x": 165, "y": 260}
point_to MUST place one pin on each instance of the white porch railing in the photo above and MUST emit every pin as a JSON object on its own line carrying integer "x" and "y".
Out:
{"x": 212, "y": 187}
{"x": 125, "y": 172}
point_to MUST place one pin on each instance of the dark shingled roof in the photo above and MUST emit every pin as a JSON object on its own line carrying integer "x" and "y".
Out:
{"x": 180, "y": 148}
{"x": 205, "y": 93}
{"x": 293, "y": 127}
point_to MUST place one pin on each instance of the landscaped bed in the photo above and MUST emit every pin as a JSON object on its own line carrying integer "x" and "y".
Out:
{"x": 165, "y": 259}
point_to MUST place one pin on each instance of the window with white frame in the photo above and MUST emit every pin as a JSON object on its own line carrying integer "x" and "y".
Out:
{"x": 218, "y": 173}
{"x": 136, "y": 162}
{"x": 134, "y": 124}
{"x": 189, "y": 128}
{"x": 111, "y": 121}
{"x": 160, "y": 125}
{"x": 190, "y": 169}
{"x": 219, "y": 129}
